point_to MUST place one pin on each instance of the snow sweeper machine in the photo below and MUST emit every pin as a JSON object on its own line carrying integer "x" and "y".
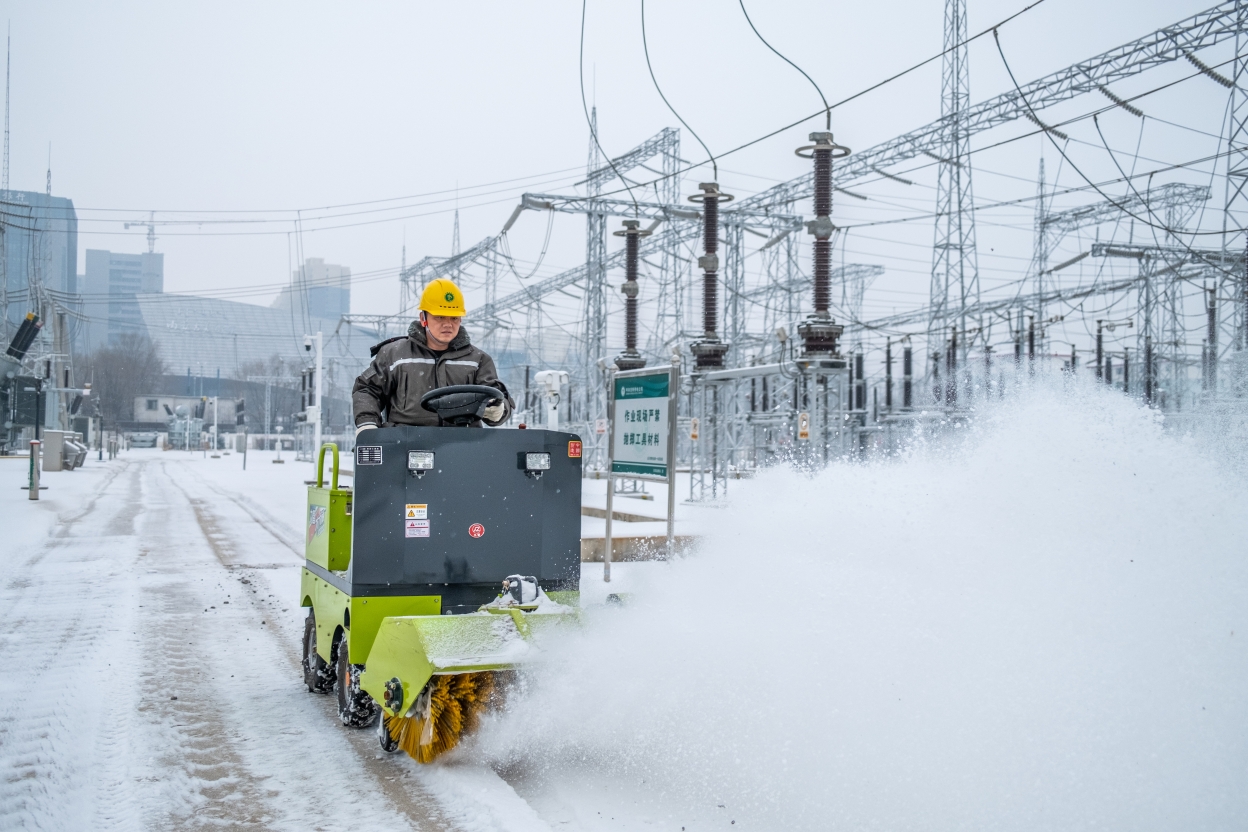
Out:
{"x": 433, "y": 574}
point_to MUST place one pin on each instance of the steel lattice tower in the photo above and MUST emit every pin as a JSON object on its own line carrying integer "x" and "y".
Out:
{"x": 595, "y": 298}
{"x": 955, "y": 269}
{"x": 1236, "y": 215}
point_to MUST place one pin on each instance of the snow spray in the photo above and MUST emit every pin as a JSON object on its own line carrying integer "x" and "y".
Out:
{"x": 1037, "y": 622}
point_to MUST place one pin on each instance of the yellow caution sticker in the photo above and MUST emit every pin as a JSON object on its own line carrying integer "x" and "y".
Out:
{"x": 416, "y": 511}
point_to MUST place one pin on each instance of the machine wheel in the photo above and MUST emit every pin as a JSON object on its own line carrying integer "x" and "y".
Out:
{"x": 316, "y": 672}
{"x": 356, "y": 708}
{"x": 388, "y": 743}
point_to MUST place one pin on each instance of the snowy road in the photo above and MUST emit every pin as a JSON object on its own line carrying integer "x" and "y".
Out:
{"x": 151, "y": 634}
{"x": 856, "y": 648}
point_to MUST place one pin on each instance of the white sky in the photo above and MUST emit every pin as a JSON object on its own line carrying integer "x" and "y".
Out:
{"x": 261, "y": 106}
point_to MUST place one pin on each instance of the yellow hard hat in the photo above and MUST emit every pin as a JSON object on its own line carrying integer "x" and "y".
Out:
{"x": 442, "y": 297}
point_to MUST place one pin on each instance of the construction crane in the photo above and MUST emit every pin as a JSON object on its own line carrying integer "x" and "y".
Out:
{"x": 150, "y": 225}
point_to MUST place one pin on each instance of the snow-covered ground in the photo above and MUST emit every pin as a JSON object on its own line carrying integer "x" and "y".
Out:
{"x": 152, "y": 629}
{"x": 1040, "y": 625}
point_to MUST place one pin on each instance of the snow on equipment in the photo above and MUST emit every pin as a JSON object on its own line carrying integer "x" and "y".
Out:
{"x": 453, "y": 552}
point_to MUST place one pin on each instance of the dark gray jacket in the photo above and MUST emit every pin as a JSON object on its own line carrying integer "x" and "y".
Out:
{"x": 404, "y": 369}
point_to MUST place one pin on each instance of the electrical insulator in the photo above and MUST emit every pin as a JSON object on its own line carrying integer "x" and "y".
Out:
{"x": 630, "y": 359}
{"x": 820, "y": 332}
{"x": 710, "y": 350}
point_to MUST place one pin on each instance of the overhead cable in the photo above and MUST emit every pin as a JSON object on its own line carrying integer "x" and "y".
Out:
{"x": 790, "y": 63}
{"x": 1095, "y": 187}
{"x": 593, "y": 129}
{"x": 646, "y": 48}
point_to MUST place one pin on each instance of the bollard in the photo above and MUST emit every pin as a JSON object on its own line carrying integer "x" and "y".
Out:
{"x": 34, "y": 469}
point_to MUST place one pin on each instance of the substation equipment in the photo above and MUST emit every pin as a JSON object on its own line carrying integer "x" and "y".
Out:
{"x": 766, "y": 380}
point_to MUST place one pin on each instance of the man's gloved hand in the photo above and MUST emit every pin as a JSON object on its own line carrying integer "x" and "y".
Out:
{"x": 361, "y": 428}
{"x": 495, "y": 411}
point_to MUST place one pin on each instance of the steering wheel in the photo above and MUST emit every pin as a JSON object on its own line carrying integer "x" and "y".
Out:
{"x": 460, "y": 404}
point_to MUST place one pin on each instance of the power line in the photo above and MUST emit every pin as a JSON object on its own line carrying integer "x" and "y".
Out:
{"x": 1048, "y": 131}
{"x": 1108, "y": 198}
{"x": 790, "y": 63}
{"x": 646, "y": 49}
{"x": 310, "y": 209}
{"x": 1077, "y": 189}
{"x": 680, "y": 172}
{"x": 593, "y": 129}
{"x": 834, "y": 106}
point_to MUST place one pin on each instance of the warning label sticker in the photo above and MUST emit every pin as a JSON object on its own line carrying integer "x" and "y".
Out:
{"x": 416, "y": 511}
{"x": 416, "y": 528}
{"x": 316, "y": 521}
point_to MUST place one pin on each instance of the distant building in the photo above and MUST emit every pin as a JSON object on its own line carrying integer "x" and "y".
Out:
{"x": 154, "y": 410}
{"x": 109, "y": 289}
{"x": 317, "y": 290}
{"x": 40, "y": 247}
{"x": 207, "y": 336}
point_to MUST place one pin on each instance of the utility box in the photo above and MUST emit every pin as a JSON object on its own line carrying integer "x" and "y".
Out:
{"x": 53, "y": 450}
{"x": 327, "y": 531}
{"x": 63, "y": 450}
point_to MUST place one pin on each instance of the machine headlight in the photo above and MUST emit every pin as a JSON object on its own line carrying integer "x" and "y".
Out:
{"x": 418, "y": 462}
{"x": 533, "y": 464}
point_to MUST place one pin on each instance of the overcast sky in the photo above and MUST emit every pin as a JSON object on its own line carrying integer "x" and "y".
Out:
{"x": 272, "y": 106}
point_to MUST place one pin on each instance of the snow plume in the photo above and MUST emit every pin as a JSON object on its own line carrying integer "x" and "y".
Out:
{"x": 1039, "y": 625}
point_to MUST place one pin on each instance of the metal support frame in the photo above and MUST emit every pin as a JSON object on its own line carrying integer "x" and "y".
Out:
{"x": 955, "y": 263}
{"x": 730, "y": 413}
{"x": 1235, "y": 214}
{"x": 1172, "y": 43}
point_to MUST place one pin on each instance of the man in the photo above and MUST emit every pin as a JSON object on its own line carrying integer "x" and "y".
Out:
{"x": 436, "y": 352}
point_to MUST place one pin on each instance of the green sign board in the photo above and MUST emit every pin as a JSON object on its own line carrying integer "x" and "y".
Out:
{"x": 641, "y": 425}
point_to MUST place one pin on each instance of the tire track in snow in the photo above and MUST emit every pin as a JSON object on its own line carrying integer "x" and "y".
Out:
{"x": 201, "y": 779}
{"x": 281, "y": 729}
{"x": 474, "y": 796}
{"x": 67, "y": 622}
{"x": 281, "y": 531}
{"x": 64, "y": 519}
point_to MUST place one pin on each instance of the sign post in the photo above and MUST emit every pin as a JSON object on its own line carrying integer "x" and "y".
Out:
{"x": 641, "y": 440}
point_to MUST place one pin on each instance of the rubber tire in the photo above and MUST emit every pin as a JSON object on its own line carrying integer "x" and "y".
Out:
{"x": 316, "y": 673}
{"x": 356, "y": 708}
{"x": 388, "y": 745}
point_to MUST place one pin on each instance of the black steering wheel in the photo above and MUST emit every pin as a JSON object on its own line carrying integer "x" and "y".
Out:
{"x": 460, "y": 404}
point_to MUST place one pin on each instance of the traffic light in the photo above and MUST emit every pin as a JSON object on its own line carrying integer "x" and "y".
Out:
{"x": 307, "y": 388}
{"x": 240, "y": 418}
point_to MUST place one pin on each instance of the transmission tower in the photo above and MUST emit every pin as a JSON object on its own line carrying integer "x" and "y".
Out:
{"x": 1236, "y": 214}
{"x": 955, "y": 269}
{"x": 1042, "y": 244}
{"x": 595, "y": 299}
{"x": 669, "y": 317}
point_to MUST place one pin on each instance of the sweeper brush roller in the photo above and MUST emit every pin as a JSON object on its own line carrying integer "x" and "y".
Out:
{"x": 455, "y": 705}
